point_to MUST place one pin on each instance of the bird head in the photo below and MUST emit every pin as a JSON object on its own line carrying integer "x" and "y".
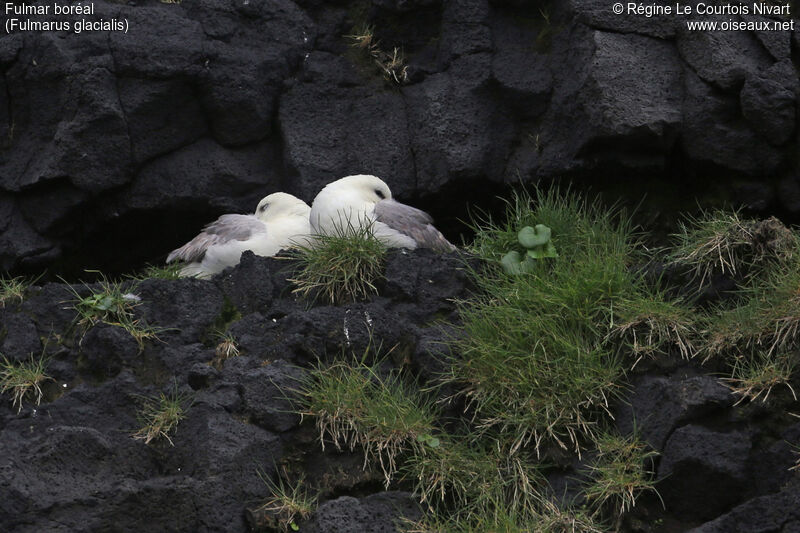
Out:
{"x": 368, "y": 189}
{"x": 280, "y": 204}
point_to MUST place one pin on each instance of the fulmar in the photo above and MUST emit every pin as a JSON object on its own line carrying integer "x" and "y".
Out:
{"x": 355, "y": 201}
{"x": 280, "y": 221}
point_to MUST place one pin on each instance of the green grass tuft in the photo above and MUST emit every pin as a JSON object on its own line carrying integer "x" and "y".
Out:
{"x": 720, "y": 242}
{"x": 466, "y": 477}
{"x": 160, "y": 415}
{"x": 650, "y": 323}
{"x": 619, "y": 473}
{"x": 287, "y": 502}
{"x": 171, "y": 271}
{"x": 753, "y": 377}
{"x": 112, "y": 304}
{"x": 766, "y": 315}
{"x": 534, "y": 364}
{"x": 340, "y": 267}
{"x": 13, "y": 289}
{"x": 356, "y": 405}
{"x": 23, "y": 379}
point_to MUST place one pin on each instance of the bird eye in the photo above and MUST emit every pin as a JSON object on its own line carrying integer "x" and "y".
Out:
{"x": 263, "y": 207}
{"x": 380, "y": 194}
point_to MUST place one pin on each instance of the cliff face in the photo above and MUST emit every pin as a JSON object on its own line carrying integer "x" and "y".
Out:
{"x": 204, "y": 107}
{"x": 72, "y": 463}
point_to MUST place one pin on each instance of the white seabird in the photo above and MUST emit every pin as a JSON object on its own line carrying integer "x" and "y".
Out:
{"x": 280, "y": 221}
{"x": 356, "y": 201}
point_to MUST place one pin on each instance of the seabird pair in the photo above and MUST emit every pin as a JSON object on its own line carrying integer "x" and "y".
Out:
{"x": 282, "y": 220}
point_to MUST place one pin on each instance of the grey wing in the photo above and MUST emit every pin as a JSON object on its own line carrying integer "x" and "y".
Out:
{"x": 225, "y": 229}
{"x": 413, "y": 222}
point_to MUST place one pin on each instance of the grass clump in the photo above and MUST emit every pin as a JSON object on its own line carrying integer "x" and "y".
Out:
{"x": 340, "y": 267}
{"x": 357, "y": 405}
{"x": 469, "y": 477}
{"x": 287, "y": 503}
{"x": 160, "y": 415}
{"x": 721, "y": 242}
{"x": 392, "y": 65}
{"x": 714, "y": 242}
{"x": 112, "y": 304}
{"x": 765, "y": 315}
{"x": 619, "y": 474}
{"x": 225, "y": 349}
{"x": 547, "y": 517}
{"x": 651, "y": 324}
{"x": 754, "y": 377}
{"x": 13, "y": 289}
{"x": 23, "y": 379}
{"x": 473, "y": 484}
{"x": 171, "y": 271}
{"x": 534, "y": 364}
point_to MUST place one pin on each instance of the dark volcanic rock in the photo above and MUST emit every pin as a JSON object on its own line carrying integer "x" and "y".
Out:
{"x": 268, "y": 395}
{"x": 106, "y": 349}
{"x": 768, "y": 102}
{"x": 339, "y": 135}
{"x": 19, "y": 338}
{"x": 658, "y": 405}
{"x": 722, "y": 58}
{"x": 377, "y": 513}
{"x": 774, "y": 512}
{"x": 187, "y": 308}
{"x": 703, "y": 472}
{"x": 729, "y": 142}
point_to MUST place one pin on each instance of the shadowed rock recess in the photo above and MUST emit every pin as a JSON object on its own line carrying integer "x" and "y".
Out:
{"x": 204, "y": 107}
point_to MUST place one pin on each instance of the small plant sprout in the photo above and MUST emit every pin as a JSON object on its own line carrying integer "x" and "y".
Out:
{"x": 536, "y": 244}
{"x": 112, "y": 304}
{"x": 288, "y": 502}
{"x": 754, "y": 378}
{"x": 159, "y": 415}
{"x": 340, "y": 267}
{"x": 619, "y": 473}
{"x": 23, "y": 378}
{"x": 12, "y": 290}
